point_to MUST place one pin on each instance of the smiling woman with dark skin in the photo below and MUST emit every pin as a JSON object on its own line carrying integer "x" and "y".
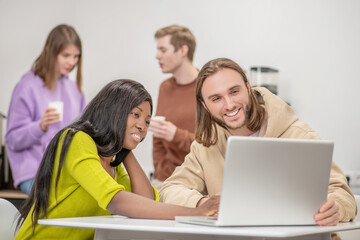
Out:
{"x": 82, "y": 172}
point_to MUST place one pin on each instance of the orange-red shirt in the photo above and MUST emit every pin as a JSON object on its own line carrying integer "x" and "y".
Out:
{"x": 178, "y": 104}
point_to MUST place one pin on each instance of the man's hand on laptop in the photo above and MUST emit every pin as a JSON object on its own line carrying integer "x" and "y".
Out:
{"x": 210, "y": 207}
{"x": 204, "y": 199}
{"x": 328, "y": 214}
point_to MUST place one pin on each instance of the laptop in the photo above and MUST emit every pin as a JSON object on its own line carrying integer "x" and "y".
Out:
{"x": 271, "y": 181}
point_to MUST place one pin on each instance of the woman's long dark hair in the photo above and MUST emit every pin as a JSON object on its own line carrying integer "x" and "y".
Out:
{"x": 104, "y": 120}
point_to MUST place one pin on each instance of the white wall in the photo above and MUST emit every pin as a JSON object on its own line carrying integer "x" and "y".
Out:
{"x": 314, "y": 43}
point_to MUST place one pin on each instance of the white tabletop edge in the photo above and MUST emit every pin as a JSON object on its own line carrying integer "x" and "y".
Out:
{"x": 170, "y": 226}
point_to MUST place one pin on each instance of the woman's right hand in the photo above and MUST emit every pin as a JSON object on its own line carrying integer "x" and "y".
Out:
{"x": 210, "y": 207}
{"x": 50, "y": 116}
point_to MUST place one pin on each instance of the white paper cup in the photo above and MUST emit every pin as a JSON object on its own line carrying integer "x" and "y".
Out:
{"x": 59, "y": 106}
{"x": 161, "y": 118}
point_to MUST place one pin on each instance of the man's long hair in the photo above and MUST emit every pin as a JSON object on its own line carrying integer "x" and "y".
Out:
{"x": 206, "y": 132}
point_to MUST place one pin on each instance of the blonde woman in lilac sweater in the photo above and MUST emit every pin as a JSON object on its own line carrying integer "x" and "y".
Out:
{"x": 31, "y": 123}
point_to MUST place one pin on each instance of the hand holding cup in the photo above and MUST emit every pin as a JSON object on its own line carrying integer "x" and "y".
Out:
{"x": 162, "y": 129}
{"x": 53, "y": 114}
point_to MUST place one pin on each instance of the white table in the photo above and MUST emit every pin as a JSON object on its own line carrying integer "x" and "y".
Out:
{"x": 118, "y": 227}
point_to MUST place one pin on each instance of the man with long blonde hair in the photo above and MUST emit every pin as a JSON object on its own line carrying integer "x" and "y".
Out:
{"x": 227, "y": 105}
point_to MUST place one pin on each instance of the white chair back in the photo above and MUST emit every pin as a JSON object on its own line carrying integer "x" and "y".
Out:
{"x": 8, "y": 219}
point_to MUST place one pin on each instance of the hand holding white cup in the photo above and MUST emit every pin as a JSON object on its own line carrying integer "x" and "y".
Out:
{"x": 161, "y": 128}
{"x": 156, "y": 121}
{"x": 53, "y": 114}
{"x": 59, "y": 106}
